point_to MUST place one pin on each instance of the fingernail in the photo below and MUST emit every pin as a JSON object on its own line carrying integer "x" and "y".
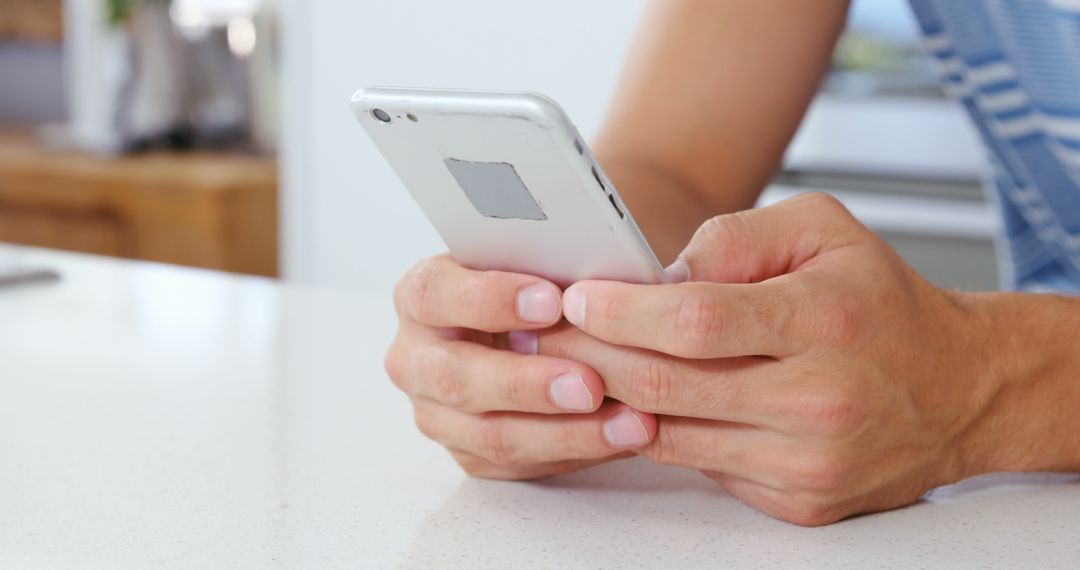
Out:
{"x": 568, "y": 392}
{"x": 523, "y": 342}
{"x": 574, "y": 306}
{"x": 679, "y": 271}
{"x": 624, "y": 429}
{"x": 538, "y": 303}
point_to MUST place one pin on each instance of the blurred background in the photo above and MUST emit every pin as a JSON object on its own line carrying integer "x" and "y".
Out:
{"x": 217, "y": 133}
{"x": 143, "y": 129}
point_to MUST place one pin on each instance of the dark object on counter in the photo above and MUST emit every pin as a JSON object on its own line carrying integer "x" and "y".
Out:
{"x": 15, "y": 276}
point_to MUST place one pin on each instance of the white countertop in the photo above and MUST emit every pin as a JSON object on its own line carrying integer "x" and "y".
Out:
{"x": 158, "y": 417}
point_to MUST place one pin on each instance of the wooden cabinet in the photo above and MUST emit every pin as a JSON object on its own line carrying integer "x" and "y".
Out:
{"x": 217, "y": 211}
{"x": 37, "y": 20}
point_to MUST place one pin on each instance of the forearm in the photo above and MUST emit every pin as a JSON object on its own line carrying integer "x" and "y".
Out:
{"x": 709, "y": 99}
{"x": 1033, "y": 422}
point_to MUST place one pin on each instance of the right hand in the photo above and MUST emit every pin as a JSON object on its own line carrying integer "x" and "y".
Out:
{"x": 503, "y": 412}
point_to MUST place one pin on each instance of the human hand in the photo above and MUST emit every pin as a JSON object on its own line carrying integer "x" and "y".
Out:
{"x": 500, "y": 413}
{"x": 803, "y": 366}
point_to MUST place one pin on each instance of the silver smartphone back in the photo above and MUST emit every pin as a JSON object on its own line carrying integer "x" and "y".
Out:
{"x": 508, "y": 183}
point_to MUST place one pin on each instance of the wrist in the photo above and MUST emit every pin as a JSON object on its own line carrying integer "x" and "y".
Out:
{"x": 1030, "y": 375}
{"x": 975, "y": 381}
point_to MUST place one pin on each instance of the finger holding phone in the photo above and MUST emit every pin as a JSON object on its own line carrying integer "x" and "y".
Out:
{"x": 525, "y": 210}
{"x": 502, "y": 414}
{"x": 812, "y": 373}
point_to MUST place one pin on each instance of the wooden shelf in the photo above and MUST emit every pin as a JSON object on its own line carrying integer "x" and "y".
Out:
{"x": 36, "y": 20}
{"x": 217, "y": 211}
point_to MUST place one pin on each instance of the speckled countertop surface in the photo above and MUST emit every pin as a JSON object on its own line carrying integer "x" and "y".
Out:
{"x": 153, "y": 417}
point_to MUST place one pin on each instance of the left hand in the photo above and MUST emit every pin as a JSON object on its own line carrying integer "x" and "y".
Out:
{"x": 803, "y": 366}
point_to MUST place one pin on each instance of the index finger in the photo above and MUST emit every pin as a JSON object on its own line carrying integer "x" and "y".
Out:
{"x": 691, "y": 320}
{"x": 752, "y": 390}
{"x": 438, "y": 292}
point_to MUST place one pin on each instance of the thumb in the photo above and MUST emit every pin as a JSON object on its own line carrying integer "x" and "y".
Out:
{"x": 755, "y": 245}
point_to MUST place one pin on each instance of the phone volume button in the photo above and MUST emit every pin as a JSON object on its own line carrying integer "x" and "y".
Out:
{"x": 618, "y": 210}
{"x": 596, "y": 175}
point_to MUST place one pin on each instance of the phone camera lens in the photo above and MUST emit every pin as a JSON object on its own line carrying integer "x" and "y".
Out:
{"x": 381, "y": 115}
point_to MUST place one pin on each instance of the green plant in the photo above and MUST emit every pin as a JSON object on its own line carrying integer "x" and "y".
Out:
{"x": 118, "y": 11}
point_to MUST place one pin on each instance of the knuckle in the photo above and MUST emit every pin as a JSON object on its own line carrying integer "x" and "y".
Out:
{"x": 516, "y": 387}
{"x": 713, "y": 232}
{"x": 474, "y": 291}
{"x": 401, "y": 294}
{"x": 840, "y": 323}
{"x": 665, "y": 448}
{"x": 837, "y": 221}
{"x": 698, "y": 322}
{"x": 494, "y": 444}
{"x": 660, "y": 451}
{"x": 604, "y": 309}
{"x": 447, "y": 384}
{"x": 651, "y": 382}
{"x": 472, "y": 465}
{"x": 727, "y": 236}
{"x": 479, "y": 294}
{"x": 821, "y": 201}
{"x": 425, "y": 424}
{"x": 480, "y": 469}
{"x": 820, "y": 473}
{"x": 572, "y": 443}
{"x": 721, "y": 230}
{"x": 834, "y": 415}
{"x": 839, "y": 418}
{"x": 809, "y": 513}
{"x": 778, "y": 316}
{"x": 394, "y": 364}
{"x": 414, "y": 291}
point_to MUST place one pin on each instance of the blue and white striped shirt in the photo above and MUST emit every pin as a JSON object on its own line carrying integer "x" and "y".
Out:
{"x": 1015, "y": 67}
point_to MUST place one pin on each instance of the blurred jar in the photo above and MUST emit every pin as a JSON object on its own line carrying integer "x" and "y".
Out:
{"x": 194, "y": 74}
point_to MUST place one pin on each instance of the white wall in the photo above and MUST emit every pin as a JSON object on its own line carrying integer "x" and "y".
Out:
{"x": 347, "y": 221}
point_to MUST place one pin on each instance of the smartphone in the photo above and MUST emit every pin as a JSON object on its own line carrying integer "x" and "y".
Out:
{"x": 508, "y": 183}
